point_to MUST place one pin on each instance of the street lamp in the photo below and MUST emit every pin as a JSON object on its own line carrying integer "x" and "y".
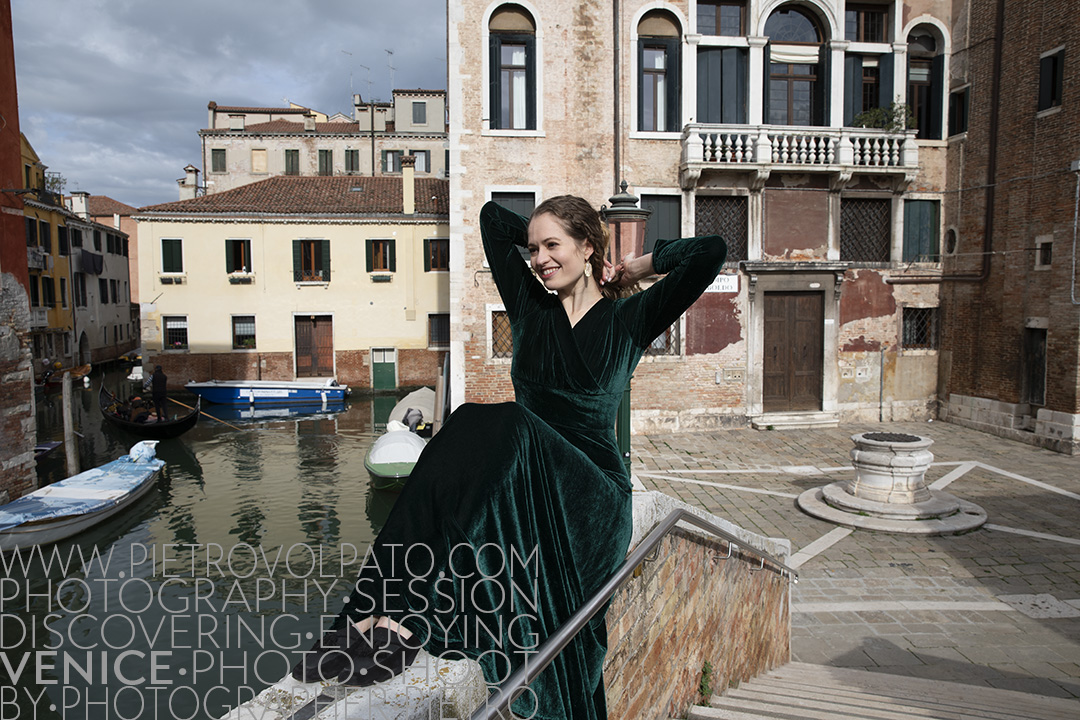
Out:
{"x": 626, "y": 222}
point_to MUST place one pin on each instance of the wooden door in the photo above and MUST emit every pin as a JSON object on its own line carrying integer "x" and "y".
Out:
{"x": 314, "y": 346}
{"x": 792, "y": 366}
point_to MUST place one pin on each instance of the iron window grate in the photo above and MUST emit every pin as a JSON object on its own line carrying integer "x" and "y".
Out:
{"x": 502, "y": 340}
{"x": 865, "y": 230}
{"x": 920, "y": 329}
{"x": 727, "y": 217}
{"x": 667, "y": 343}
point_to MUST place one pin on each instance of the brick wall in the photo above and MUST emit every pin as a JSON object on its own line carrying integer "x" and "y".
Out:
{"x": 739, "y": 621}
{"x": 18, "y": 428}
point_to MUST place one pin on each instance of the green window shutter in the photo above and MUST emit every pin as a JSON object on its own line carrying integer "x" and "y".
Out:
{"x": 383, "y": 164}
{"x": 427, "y": 255}
{"x": 886, "y": 65}
{"x": 325, "y": 248}
{"x": 852, "y": 88}
{"x": 229, "y": 256}
{"x": 370, "y": 256}
{"x": 172, "y": 258}
{"x": 494, "y": 64}
{"x": 297, "y": 264}
{"x": 392, "y": 255}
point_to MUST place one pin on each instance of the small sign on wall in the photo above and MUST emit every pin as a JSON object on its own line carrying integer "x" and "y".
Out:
{"x": 724, "y": 284}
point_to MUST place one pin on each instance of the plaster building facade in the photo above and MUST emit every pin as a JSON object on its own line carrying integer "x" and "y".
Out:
{"x": 244, "y": 144}
{"x": 295, "y": 277}
{"x": 738, "y": 118}
{"x": 113, "y": 213}
{"x": 18, "y": 424}
{"x": 1011, "y": 301}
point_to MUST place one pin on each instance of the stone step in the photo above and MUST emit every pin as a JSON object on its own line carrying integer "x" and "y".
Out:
{"x": 787, "y": 421}
{"x": 799, "y": 691}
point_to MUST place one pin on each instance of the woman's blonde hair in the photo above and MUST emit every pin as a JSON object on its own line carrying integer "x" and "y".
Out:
{"x": 583, "y": 223}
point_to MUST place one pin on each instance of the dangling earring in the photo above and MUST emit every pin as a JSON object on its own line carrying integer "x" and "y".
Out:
{"x": 588, "y": 269}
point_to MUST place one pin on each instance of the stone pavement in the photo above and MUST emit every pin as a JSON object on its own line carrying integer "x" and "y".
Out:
{"x": 999, "y": 606}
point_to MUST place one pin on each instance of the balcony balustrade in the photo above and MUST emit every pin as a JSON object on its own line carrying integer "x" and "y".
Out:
{"x": 767, "y": 148}
{"x": 39, "y": 318}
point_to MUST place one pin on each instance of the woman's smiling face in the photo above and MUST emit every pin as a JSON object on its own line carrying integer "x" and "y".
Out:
{"x": 557, "y": 258}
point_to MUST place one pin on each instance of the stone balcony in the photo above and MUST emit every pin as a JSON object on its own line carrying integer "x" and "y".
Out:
{"x": 760, "y": 150}
{"x": 39, "y": 318}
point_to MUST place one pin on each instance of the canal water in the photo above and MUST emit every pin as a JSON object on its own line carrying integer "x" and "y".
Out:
{"x": 206, "y": 591}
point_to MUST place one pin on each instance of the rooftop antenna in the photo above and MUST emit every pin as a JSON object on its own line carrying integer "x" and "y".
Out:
{"x": 368, "y": 80}
{"x": 390, "y": 64}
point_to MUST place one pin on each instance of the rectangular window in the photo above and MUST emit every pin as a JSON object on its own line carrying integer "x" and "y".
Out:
{"x": 1051, "y": 71}
{"x": 311, "y": 260}
{"x": 31, "y": 231}
{"x": 520, "y": 202}
{"x": 110, "y": 243}
{"x": 243, "y": 332}
{"x": 502, "y": 339}
{"x": 1044, "y": 251}
{"x": 380, "y": 256}
{"x": 76, "y": 237}
{"x": 258, "y": 161}
{"x": 419, "y": 113}
{"x": 439, "y": 330}
{"x": 238, "y": 256}
{"x": 292, "y": 162}
{"x": 667, "y": 343}
{"x": 97, "y": 241}
{"x": 217, "y": 160}
{"x": 723, "y": 17}
{"x": 391, "y": 160}
{"x": 63, "y": 292}
{"x": 958, "y": 110}
{"x": 124, "y": 249}
{"x": 62, "y": 241}
{"x": 326, "y": 162}
{"x": 920, "y": 329}
{"x": 658, "y": 81}
{"x": 727, "y": 217}
{"x": 865, "y": 230}
{"x": 103, "y": 291}
{"x": 1033, "y": 387}
{"x": 865, "y": 23}
{"x": 48, "y": 292}
{"x": 114, "y": 291}
{"x": 792, "y": 92}
{"x": 664, "y": 221}
{"x": 172, "y": 255}
{"x": 35, "y": 296}
{"x": 921, "y": 241}
{"x": 45, "y": 235}
{"x": 423, "y": 160}
{"x": 176, "y": 332}
{"x": 79, "y": 290}
{"x": 352, "y": 161}
{"x": 871, "y": 88}
{"x": 513, "y": 84}
{"x": 436, "y": 254}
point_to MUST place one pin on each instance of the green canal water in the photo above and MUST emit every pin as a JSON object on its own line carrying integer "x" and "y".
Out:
{"x": 207, "y": 590}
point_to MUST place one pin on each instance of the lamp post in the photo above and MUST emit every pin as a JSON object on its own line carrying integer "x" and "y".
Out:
{"x": 626, "y": 222}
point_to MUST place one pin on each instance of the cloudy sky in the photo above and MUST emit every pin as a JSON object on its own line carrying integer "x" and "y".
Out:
{"x": 112, "y": 93}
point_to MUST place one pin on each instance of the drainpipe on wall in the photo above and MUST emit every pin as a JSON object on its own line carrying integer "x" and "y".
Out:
{"x": 1076, "y": 216}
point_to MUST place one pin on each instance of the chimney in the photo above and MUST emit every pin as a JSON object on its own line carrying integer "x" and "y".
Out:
{"x": 408, "y": 184}
{"x": 309, "y": 122}
{"x": 189, "y": 186}
{"x": 80, "y": 204}
{"x": 236, "y": 122}
{"x": 211, "y": 111}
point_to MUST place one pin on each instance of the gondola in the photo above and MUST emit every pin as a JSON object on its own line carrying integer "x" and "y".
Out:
{"x": 152, "y": 430}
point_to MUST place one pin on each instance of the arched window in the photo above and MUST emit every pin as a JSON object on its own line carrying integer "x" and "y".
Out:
{"x": 798, "y": 68}
{"x": 512, "y": 47}
{"x": 658, "y": 73}
{"x": 926, "y": 70}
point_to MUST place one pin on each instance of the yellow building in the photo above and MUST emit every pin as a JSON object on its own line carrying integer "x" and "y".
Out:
{"x": 293, "y": 277}
{"x": 48, "y": 251}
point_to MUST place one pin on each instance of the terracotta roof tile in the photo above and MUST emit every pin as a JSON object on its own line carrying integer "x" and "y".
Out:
{"x": 99, "y": 205}
{"x": 287, "y": 195}
{"x": 288, "y": 126}
{"x": 274, "y": 110}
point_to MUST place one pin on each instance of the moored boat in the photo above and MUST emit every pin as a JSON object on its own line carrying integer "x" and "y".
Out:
{"x": 68, "y": 507}
{"x": 391, "y": 458}
{"x": 255, "y": 392}
{"x": 112, "y": 411}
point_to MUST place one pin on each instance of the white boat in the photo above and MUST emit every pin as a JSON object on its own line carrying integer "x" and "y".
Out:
{"x": 391, "y": 458}
{"x": 68, "y": 507}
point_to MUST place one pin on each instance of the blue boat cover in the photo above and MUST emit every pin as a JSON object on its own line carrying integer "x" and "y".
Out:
{"x": 88, "y": 492}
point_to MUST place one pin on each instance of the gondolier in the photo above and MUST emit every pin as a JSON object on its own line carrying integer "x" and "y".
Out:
{"x": 158, "y": 383}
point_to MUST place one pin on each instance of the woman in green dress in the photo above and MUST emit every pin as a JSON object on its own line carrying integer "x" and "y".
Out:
{"x": 516, "y": 513}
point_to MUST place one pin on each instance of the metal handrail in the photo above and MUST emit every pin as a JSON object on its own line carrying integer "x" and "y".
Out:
{"x": 558, "y": 640}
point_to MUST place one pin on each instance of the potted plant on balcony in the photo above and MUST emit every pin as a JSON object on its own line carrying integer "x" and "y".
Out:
{"x": 893, "y": 119}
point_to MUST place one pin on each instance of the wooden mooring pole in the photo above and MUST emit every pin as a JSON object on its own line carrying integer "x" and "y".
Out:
{"x": 70, "y": 446}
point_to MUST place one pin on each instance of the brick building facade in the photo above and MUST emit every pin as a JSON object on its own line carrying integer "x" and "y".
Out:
{"x": 1010, "y": 300}
{"x": 732, "y": 118}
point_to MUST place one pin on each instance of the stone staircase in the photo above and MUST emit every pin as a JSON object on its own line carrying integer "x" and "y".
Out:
{"x": 798, "y": 691}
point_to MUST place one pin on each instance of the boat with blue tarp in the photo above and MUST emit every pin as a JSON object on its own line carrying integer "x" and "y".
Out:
{"x": 257, "y": 392}
{"x": 68, "y": 507}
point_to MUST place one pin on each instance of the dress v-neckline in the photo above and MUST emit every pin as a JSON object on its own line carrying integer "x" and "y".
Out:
{"x": 584, "y": 315}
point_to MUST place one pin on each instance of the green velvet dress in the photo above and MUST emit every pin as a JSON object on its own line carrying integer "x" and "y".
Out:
{"x": 517, "y": 512}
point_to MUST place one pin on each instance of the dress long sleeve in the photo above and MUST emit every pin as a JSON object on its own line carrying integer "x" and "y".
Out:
{"x": 689, "y": 265}
{"x": 503, "y": 232}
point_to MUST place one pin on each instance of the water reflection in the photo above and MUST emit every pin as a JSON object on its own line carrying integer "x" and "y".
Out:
{"x": 237, "y": 558}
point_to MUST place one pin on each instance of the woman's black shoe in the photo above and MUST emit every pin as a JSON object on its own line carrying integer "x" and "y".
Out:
{"x": 332, "y": 655}
{"x": 388, "y": 655}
